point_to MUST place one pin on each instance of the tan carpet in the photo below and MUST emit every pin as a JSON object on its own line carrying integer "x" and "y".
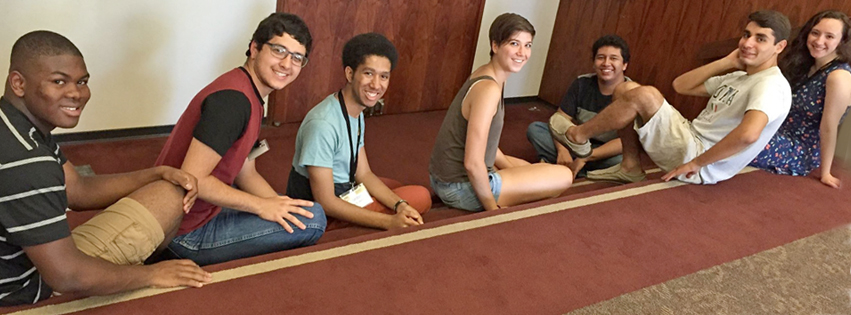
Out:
{"x": 808, "y": 276}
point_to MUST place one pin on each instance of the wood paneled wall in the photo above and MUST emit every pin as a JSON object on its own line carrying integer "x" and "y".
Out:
{"x": 664, "y": 37}
{"x": 436, "y": 40}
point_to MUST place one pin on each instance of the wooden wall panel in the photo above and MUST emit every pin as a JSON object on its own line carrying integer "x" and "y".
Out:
{"x": 664, "y": 37}
{"x": 436, "y": 47}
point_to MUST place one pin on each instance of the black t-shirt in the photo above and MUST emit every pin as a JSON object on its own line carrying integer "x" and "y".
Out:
{"x": 584, "y": 100}
{"x": 32, "y": 204}
{"x": 224, "y": 117}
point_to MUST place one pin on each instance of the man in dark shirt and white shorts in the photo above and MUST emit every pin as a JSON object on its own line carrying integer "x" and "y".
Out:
{"x": 588, "y": 95}
{"x": 47, "y": 88}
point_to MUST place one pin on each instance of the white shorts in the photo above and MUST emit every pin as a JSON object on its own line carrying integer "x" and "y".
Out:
{"x": 669, "y": 140}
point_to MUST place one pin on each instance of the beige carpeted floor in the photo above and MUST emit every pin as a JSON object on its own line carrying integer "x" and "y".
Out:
{"x": 808, "y": 276}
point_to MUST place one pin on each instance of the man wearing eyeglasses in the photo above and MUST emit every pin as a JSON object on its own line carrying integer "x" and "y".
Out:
{"x": 238, "y": 214}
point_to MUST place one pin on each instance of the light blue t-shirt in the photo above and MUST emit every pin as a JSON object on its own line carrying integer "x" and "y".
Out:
{"x": 322, "y": 139}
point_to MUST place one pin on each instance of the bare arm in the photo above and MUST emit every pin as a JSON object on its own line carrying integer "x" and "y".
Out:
{"x": 68, "y": 270}
{"x": 481, "y": 102}
{"x": 836, "y": 101}
{"x": 100, "y": 191}
{"x": 607, "y": 150}
{"x": 250, "y": 181}
{"x": 745, "y": 134}
{"x": 201, "y": 160}
{"x": 322, "y": 186}
{"x": 691, "y": 83}
{"x": 384, "y": 194}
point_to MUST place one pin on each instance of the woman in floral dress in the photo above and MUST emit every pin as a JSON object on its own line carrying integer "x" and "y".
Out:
{"x": 817, "y": 68}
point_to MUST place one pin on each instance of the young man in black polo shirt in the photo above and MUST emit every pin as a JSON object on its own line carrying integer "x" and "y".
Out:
{"x": 586, "y": 97}
{"x": 47, "y": 88}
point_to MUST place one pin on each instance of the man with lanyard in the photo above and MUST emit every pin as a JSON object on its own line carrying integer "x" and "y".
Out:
{"x": 326, "y": 166}
{"x": 238, "y": 214}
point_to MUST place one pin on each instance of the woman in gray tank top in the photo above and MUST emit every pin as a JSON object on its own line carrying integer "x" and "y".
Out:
{"x": 467, "y": 169}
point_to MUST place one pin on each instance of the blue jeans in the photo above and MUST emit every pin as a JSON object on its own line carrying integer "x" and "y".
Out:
{"x": 538, "y": 134}
{"x": 462, "y": 196}
{"x": 236, "y": 234}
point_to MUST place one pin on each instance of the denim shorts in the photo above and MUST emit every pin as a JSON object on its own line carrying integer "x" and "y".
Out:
{"x": 462, "y": 196}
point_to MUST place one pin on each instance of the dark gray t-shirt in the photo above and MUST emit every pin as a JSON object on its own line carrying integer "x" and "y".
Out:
{"x": 447, "y": 158}
{"x": 583, "y": 101}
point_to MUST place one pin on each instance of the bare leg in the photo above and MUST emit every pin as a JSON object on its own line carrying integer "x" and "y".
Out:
{"x": 516, "y": 162}
{"x": 533, "y": 182}
{"x": 165, "y": 202}
{"x": 636, "y": 102}
{"x": 631, "y": 163}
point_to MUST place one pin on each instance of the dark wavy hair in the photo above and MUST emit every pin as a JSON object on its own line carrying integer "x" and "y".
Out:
{"x": 612, "y": 41}
{"x": 278, "y": 23}
{"x": 798, "y": 61}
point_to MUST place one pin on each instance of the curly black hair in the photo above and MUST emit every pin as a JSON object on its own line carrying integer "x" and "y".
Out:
{"x": 368, "y": 44}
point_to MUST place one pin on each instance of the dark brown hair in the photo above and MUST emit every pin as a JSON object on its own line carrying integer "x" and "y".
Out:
{"x": 798, "y": 61}
{"x": 506, "y": 25}
{"x": 776, "y": 21}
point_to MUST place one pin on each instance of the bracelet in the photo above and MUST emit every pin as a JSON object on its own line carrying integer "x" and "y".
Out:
{"x": 396, "y": 206}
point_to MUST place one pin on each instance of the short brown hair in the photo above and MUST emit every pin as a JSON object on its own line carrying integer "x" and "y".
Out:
{"x": 776, "y": 21}
{"x": 506, "y": 25}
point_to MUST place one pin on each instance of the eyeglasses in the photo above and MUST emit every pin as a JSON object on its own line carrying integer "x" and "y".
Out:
{"x": 282, "y": 52}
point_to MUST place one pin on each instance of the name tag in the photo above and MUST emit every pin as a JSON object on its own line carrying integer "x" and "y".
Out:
{"x": 357, "y": 196}
{"x": 256, "y": 152}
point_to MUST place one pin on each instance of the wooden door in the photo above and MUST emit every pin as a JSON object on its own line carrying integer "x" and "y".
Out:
{"x": 436, "y": 40}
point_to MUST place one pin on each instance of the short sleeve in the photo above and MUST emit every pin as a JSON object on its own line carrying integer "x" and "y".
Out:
{"x": 318, "y": 144}
{"x": 714, "y": 83}
{"x": 224, "y": 117}
{"x": 771, "y": 97}
{"x": 570, "y": 100}
{"x": 34, "y": 202}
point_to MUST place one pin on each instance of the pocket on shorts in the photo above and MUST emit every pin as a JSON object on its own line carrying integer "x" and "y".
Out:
{"x": 130, "y": 247}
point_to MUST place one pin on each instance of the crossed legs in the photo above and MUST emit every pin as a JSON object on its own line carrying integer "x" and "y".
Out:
{"x": 632, "y": 103}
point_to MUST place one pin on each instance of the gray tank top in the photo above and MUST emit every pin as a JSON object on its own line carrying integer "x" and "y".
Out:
{"x": 447, "y": 158}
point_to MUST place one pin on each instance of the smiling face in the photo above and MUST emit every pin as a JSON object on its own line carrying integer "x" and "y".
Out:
{"x": 514, "y": 53}
{"x": 757, "y": 50}
{"x": 269, "y": 72}
{"x": 54, "y": 89}
{"x": 370, "y": 80}
{"x": 609, "y": 65}
{"x": 824, "y": 38}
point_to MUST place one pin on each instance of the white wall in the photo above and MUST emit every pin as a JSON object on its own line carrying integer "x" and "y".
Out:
{"x": 147, "y": 58}
{"x": 542, "y": 15}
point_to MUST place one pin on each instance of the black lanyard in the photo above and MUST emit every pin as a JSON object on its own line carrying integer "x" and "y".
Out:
{"x": 353, "y": 161}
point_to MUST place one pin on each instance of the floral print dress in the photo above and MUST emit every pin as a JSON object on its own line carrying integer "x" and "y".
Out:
{"x": 794, "y": 149}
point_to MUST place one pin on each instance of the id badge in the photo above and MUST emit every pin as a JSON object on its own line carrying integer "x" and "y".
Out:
{"x": 357, "y": 196}
{"x": 256, "y": 152}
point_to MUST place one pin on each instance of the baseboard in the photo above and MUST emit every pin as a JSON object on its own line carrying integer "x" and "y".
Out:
{"x": 521, "y": 99}
{"x": 113, "y": 134}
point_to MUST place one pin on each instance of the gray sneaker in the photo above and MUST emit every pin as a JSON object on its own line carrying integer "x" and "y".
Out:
{"x": 616, "y": 174}
{"x": 558, "y": 126}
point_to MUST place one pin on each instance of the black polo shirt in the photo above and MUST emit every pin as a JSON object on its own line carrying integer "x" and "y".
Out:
{"x": 32, "y": 203}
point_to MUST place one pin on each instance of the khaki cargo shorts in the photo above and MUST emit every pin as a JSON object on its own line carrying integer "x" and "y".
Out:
{"x": 125, "y": 234}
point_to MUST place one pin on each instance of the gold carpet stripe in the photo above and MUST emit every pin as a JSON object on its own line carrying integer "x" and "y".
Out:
{"x": 267, "y": 266}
